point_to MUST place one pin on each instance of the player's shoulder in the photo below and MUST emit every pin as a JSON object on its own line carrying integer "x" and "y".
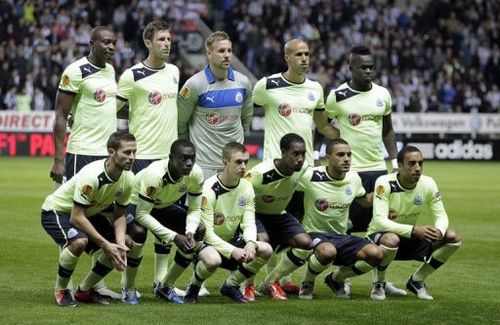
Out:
{"x": 91, "y": 171}
{"x": 241, "y": 78}
{"x": 196, "y": 172}
{"x": 427, "y": 181}
{"x": 380, "y": 89}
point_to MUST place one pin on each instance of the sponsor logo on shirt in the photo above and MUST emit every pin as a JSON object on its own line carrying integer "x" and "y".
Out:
{"x": 100, "y": 95}
{"x": 219, "y": 219}
{"x": 286, "y": 110}
{"x": 322, "y": 205}
{"x": 154, "y": 97}
{"x": 268, "y": 198}
{"x": 354, "y": 119}
{"x": 213, "y": 118}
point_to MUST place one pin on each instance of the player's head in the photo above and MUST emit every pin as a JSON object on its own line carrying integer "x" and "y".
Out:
{"x": 182, "y": 157}
{"x": 297, "y": 55}
{"x": 157, "y": 38}
{"x": 410, "y": 162}
{"x": 361, "y": 64}
{"x": 102, "y": 44}
{"x": 235, "y": 158}
{"x": 121, "y": 149}
{"x": 293, "y": 151}
{"x": 339, "y": 155}
{"x": 219, "y": 50}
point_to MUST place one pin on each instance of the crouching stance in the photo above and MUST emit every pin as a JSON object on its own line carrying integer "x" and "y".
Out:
{"x": 406, "y": 193}
{"x": 73, "y": 217}
{"x": 227, "y": 208}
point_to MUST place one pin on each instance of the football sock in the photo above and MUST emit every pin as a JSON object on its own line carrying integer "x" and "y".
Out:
{"x": 314, "y": 267}
{"x": 245, "y": 270}
{"x": 389, "y": 255}
{"x": 289, "y": 262}
{"x": 134, "y": 259}
{"x": 360, "y": 267}
{"x": 438, "y": 258}
{"x": 180, "y": 263}
{"x": 200, "y": 274}
{"x": 67, "y": 264}
{"x": 161, "y": 261}
{"x": 101, "y": 268}
{"x": 95, "y": 256}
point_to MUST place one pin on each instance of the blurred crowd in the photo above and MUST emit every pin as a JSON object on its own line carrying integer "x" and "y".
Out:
{"x": 437, "y": 55}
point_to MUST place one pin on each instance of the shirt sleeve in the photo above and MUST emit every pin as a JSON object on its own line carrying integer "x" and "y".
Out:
{"x": 71, "y": 79}
{"x": 247, "y": 108}
{"x": 186, "y": 103}
{"x": 320, "y": 105}
{"x": 259, "y": 92}
{"x": 248, "y": 221}
{"x": 125, "y": 85}
{"x": 86, "y": 187}
{"x": 437, "y": 208}
{"x": 194, "y": 200}
{"x": 331, "y": 105}
{"x": 123, "y": 198}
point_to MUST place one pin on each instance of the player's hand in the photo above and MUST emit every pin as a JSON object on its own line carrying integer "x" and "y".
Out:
{"x": 429, "y": 234}
{"x": 183, "y": 242}
{"x": 250, "y": 250}
{"x": 239, "y": 255}
{"x": 190, "y": 238}
{"x": 57, "y": 171}
{"x": 117, "y": 254}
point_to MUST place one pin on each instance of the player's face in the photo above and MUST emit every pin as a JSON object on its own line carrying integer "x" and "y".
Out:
{"x": 362, "y": 68}
{"x": 237, "y": 164}
{"x": 220, "y": 55}
{"x": 104, "y": 45}
{"x": 295, "y": 156}
{"x": 298, "y": 58}
{"x": 159, "y": 46}
{"x": 183, "y": 160}
{"x": 340, "y": 159}
{"x": 124, "y": 157}
{"x": 411, "y": 170}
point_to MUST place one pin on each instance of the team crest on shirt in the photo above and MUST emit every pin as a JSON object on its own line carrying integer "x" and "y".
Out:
{"x": 239, "y": 97}
{"x": 348, "y": 190}
{"x": 242, "y": 201}
{"x": 100, "y": 95}
{"x": 219, "y": 219}
{"x": 418, "y": 200}
{"x": 437, "y": 195}
{"x": 285, "y": 110}
{"x": 354, "y": 119}
{"x": 86, "y": 189}
{"x": 212, "y": 118}
{"x": 321, "y": 204}
{"x": 379, "y": 102}
{"x": 119, "y": 192}
{"x": 65, "y": 80}
{"x": 72, "y": 233}
{"x": 185, "y": 92}
{"x": 311, "y": 97}
{"x": 155, "y": 97}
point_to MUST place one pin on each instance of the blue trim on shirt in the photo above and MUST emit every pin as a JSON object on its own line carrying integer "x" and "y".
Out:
{"x": 211, "y": 77}
{"x": 222, "y": 98}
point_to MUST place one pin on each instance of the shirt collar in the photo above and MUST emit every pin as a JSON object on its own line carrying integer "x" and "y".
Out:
{"x": 211, "y": 77}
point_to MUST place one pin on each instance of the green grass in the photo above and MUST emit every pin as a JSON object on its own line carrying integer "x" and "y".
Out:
{"x": 465, "y": 290}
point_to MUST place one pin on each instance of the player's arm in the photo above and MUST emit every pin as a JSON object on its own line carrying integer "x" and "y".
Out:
{"x": 248, "y": 226}
{"x": 437, "y": 209}
{"x": 195, "y": 190}
{"x": 247, "y": 109}
{"x": 323, "y": 126}
{"x": 122, "y": 108}
{"x": 186, "y": 103}
{"x": 366, "y": 201}
{"x": 116, "y": 252}
{"x": 389, "y": 139}
{"x": 64, "y": 101}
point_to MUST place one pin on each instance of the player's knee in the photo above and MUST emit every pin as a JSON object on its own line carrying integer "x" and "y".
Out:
{"x": 390, "y": 240}
{"x": 264, "y": 250}
{"x": 452, "y": 236}
{"x": 302, "y": 241}
{"x": 211, "y": 259}
{"x": 77, "y": 246}
{"x": 373, "y": 254}
{"x": 325, "y": 253}
{"x": 138, "y": 233}
{"x": 263, "y": 236}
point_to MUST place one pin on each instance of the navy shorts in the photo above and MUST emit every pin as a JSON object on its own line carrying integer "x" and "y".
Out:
{"x": 57, "y": 225}
{"x": 74, "y": 162}
{"x": 140, "y": 164}
{"x": 409, "y": 248}
{"x": 228, "y": 263}
{"x": 360, "y": 217}
{"x": 279, "y": 227}
{"x": 347, "y": 246}
{"x": 173, "y": 217}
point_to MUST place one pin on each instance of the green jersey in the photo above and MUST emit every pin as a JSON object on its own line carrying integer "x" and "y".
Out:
{"x": 154, "y": 188}
{"x": 91, "y": 188}
{"x": 94, "y": 106}
{"x": 288, "y": 107}
{"x": 407, "y": 203}
{"x": 273, "y": 190}
{"x": 225, "y": 211}
{"x": 327, "y": 200}
{"x": 360, "y": 115}
{"x": 152, "y": 97}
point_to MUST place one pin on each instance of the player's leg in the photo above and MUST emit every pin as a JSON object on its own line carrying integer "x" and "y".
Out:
{"x": 137, "y": 235}
{"x": 441, "y": 252}
{"x": 73, "y": 244}
{"x": 207, "y": 262}
{"x": 249, "y": 291}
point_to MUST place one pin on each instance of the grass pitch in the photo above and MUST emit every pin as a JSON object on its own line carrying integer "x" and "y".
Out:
{"x": 466, "y": 290}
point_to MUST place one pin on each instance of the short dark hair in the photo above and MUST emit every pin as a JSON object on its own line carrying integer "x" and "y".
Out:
{"x": 232, "y": 147}
{"x": 117, "y": 137}
{"x": 180, "y": 143}
{"x": 96, "y": 32}
{"x": 216, "y": 36}
{"x": 287, "y": 140}
{"x": 361, "y": 50}
{"x": 152, "y": 27}
{"x": 404, "y": 151}
{"x": 333, "y": 143}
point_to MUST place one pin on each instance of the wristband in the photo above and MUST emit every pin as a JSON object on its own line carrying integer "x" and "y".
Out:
{"x": 316, "y": 154}
{"x": 394, "y": 163}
